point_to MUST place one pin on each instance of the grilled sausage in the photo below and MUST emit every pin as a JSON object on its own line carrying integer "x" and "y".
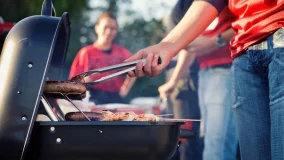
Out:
{"x": 77, "y": 116}
{"x": 64, "y": 87}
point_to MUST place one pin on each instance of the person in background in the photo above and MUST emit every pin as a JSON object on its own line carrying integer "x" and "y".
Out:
{"x": 102, "y": 53}
{"x": 181, "y": 87}
{"x": 257, "y": 68}
{"x": 5, "y": 27}
{"x": 213, "y": 53}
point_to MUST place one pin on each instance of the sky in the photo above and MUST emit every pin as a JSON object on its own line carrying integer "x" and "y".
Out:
{"x": 147, "y": 9}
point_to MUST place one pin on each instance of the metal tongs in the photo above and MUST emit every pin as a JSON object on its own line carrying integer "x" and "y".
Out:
{"x": 132, "y": 66}
{"x": 75, "y": 96}
{"x": 79, "y": 77}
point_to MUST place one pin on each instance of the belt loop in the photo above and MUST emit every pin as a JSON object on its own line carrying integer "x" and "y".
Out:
{"x": 275, "y": 37}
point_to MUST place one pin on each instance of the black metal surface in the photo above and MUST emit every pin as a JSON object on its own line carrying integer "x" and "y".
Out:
{"x": 47, "y": 8}
{"x": 103, "y": 141}
{"x": 55, "y": 70}
{"x": 57, "y": 95}
{"x": 25, "y": 60}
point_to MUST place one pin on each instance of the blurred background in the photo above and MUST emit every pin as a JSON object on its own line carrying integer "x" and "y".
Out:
{"x": 140, "y": 25}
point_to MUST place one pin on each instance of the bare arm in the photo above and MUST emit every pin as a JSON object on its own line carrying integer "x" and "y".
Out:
{"x": 184, "y": 62}
{"x": 195, "y": 21}
{"x": 127, "y": 85}
{"x": 191, "y": 25}
{"x": 200, "y": 46}
{"x": 203, "y": 45}
{"x": 228, "y": 34}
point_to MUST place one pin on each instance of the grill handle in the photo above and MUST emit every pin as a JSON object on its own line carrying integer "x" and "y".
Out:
{"x": 47, "y": 8}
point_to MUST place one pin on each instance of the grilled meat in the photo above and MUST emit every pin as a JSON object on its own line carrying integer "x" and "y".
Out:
{"x": 64, "y": 87}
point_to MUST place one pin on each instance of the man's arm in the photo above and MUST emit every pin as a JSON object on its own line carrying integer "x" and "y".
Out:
{"x": 127, "y": 85}
{"x": 203, "y": 45}
{"x": 191, "y": 25}
{"x": 184, "y": 62}
{"x": 195, "y": 21}
{"x": 218, "y": 4}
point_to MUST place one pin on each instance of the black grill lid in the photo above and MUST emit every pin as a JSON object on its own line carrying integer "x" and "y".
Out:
{"x": 34, "y": 50}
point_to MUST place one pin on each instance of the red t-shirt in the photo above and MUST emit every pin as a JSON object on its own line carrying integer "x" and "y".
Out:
{"x": 89, "y": 58}
{"x": 256, "y": 19}
{"x": 221, "y": 55}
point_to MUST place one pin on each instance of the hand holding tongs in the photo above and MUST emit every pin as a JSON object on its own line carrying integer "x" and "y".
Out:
{"x": 132, "y": 66}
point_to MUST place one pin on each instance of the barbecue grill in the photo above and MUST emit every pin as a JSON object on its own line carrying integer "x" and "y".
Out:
{"x": 34, "y": 52}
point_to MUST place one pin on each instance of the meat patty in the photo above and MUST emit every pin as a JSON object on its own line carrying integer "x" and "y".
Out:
{"x": 64, "y": 87}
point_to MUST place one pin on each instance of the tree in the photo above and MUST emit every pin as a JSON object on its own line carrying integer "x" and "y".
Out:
{"x": 15, "y": 10}
{"x": 134, "y": 36}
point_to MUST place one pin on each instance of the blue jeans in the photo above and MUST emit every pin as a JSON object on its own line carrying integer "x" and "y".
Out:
{"x": 258, "y": 99}
{"x": 220, "y": 137}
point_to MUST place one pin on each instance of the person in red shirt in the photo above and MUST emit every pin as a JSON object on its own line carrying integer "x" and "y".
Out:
{"x": 257, "y": 70}
{"x": 214, "y": 88}
{"x": 102, "y": 53}
{"x": 4, "y": 30}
